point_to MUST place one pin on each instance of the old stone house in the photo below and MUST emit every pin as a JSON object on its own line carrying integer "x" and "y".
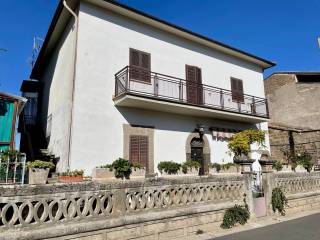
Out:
{"x": 294, "y": 105}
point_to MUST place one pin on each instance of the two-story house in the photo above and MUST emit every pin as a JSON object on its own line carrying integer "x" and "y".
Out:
{"x": 117, "y": 82}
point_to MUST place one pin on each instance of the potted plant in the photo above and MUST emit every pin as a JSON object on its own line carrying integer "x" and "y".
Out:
{"x": 39, "y": 171}
{"x": 228, "y": 168}
{"x": 104, "y": 172}
{"x": 191, "y": 167}
{"x": 169, "y": 168}
{"x": 71, "y": 176}
{"x": 240, "y": 146}
{"x": 138, "y": 171}
{"x": 278, "y": 166}
{"x": 214, "y": 168}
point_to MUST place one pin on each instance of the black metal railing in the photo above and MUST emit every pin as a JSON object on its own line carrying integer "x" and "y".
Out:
{"x": 160, "y": 86}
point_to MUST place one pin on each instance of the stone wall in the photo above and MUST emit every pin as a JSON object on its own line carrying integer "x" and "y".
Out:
{"x": 293, "y": 103}
{"x": 146, "y": 209}
{"x": 301, "y": 189}
{"x": 276, "y": 81}
{"x": 305, "y": 141}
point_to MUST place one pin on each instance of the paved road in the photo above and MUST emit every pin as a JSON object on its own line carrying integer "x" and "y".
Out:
{"x": 306, "y": 228}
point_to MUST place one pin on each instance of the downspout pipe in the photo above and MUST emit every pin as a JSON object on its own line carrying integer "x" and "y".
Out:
{"x": 76, "y": 23}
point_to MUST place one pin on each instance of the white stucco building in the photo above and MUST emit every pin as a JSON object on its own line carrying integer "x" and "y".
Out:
{"x": 116, "y": 82}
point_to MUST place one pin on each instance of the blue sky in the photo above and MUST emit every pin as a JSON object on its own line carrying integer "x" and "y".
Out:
{"x": 284, "y": 31}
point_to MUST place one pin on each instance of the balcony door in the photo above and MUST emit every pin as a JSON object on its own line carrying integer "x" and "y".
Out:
{"x": 194, "y": 85}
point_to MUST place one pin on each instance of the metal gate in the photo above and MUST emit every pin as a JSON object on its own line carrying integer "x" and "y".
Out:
{"x": 259, "y": 201}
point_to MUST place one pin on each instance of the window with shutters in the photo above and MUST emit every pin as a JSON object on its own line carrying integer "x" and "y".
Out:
{"x": 237, "y": 90}
{"x": 140, "y": 66}
{"x": 138, "y": 150}
{"x": 194, "y": 85}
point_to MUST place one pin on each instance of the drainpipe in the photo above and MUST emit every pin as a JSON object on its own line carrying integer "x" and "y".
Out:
{"x": 74, "y": 75}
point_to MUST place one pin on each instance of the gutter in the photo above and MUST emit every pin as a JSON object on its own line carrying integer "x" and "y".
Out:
{"x": 76, "y": 27}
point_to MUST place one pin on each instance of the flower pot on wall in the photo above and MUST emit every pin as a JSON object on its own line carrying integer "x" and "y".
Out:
{"x": 38, "y": 175}
{"x": 192, "y": 172}
{"x": 300, "y": 169}
{"x": 69, "y": 179}
{"x": 100, "y": 174}
{"x": 213, "y": 170}
{"x": 231, "y": 169}
{"x": 138, "y": 173}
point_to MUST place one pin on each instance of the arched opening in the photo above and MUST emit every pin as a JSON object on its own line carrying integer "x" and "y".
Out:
{"x": 196, "y": 145}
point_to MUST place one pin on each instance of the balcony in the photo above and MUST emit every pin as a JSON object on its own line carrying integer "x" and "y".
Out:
{"x": 155, "y": 91}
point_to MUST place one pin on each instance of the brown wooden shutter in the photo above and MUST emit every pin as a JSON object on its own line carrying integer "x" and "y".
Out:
{"x": 237, "y": 90}
{"x": 199, "y": 87}
{"x": 140, "y": 65}
{"x": 144, "y": 151}
{"x": 194, "y": 85}
{"x": 134, "y": 149}
{"x": 139, "y": 150}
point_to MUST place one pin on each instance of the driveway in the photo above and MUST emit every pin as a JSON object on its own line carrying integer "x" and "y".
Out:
{"x": 306, "y": 228}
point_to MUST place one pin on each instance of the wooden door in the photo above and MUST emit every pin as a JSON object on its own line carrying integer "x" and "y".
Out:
{"x": 194, "y": 85}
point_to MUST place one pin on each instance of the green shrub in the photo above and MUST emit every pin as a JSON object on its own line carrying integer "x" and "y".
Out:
{"x": 277, "y": 166}
{"x": 278, "y": 201}
{"x": 40, "y": 164}
{"x": 240, "y": 142}
{"x": 169, "y": 167}
{"x": 122, "y": 167}
{"x": 189, "y": 165}
{"x": 217, "y": 166}
{"x": 237, "y": 214}
{"x": 10, "y": 155}
{"x": 73, "y": 173}
{"x": 305, "y": 160}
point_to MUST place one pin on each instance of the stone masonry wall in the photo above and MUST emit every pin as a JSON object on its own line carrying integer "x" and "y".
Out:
{"x": 276, "y": 81}
{"x": 303, "y": 142}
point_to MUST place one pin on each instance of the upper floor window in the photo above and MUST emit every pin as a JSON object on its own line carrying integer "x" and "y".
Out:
{"x": 140, "y": 66}
{"x": 237, "y": 90}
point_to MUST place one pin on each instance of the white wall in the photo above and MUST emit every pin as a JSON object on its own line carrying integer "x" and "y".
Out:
{"x": 103, "y": 49}
{"x": 57, "y": 83}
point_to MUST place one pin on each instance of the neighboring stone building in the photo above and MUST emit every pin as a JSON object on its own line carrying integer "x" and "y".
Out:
{"x": 294, "y": 105}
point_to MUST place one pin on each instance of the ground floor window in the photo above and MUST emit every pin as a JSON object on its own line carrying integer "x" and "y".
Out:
{"x": 139, "y": 149}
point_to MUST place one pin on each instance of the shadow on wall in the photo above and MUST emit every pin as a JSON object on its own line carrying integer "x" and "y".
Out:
{"x": 160, "y": 35}
{"x": 174, "y": 122}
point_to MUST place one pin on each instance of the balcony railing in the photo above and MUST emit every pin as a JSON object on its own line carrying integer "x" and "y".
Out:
{"x": 140, "y": 82}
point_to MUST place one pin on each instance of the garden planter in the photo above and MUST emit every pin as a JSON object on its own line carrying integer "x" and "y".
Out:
{"x": 68, "y": 179}
{"x": 38, "y": 175}
{"x": 192, "y": 172}
{"x": 102, "y": 174}
{"x": 300, "y": 168}
{"x": 231, "y": 169}
{"x": 138, "y": 173}
{"x": 178, "y": 174}
{"x": 286, "y": 168}
{"x": 213, "y": 171}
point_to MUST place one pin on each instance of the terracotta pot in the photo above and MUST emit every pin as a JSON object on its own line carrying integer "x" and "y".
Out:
{"x": 38, "y": 175}
{"x": 66, "y": 179}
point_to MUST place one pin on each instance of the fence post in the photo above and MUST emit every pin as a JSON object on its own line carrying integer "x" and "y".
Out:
{"x": 268, "y": 184}
{"x": 248, "y": 192}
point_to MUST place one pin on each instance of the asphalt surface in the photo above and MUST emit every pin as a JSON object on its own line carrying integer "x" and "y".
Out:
{"x": 306, "y": 228}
